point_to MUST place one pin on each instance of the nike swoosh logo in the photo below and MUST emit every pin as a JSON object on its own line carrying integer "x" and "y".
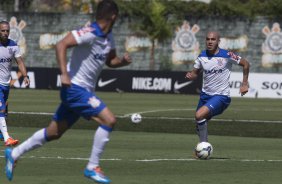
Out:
{"x": 178, "y": 86}
{"x": 104, "y": 83}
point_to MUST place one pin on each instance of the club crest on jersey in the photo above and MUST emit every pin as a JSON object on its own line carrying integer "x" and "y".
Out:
{"x": 11, "y": 52}
{"x": 85, "y": 30}
{"x": 233, "y": 56}
{"x": 220, "y": 62}
{"x": 94, "y": 102}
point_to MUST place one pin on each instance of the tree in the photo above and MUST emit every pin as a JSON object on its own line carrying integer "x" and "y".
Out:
{"x": 153, "y": 22}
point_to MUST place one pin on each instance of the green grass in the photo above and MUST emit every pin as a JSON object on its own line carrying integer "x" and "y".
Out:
{"x": 161, "y": 113}
{"x": 235, "y": 159}
{"x": 159, "y": 149}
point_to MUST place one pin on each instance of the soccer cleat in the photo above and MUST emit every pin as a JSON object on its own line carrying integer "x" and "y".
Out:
{"x": 10, "y": 163}
{"x": 194, "y": 155}
{"x": 11, "y": 142}
{"x": 1, "y": 136}
{"x": 97, "y": 175}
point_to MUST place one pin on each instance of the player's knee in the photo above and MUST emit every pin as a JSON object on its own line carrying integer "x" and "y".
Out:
{"x": 199, "y": 116}
{"x": 54, "y": 136}
{"x": 112, "y": 121}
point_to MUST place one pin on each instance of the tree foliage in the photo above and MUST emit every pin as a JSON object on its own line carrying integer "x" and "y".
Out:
{"x": 152, "y": 21}
{"x": 179, "y": 8}
{"x": 226, "y": 8}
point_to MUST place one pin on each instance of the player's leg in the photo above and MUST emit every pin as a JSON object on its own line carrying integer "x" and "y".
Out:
{"x": 53, "y": 131}
{"x": 1, "y": 136}
{"x": 89, "y": 106}
{"x": 201, "y": 117}
{"x": 62, "y": 121}
{"x": 4, "y": 93}
{"x": 214, "y": 105}
{"x": 106, "y": 119}
{"x": 6, "y": 115}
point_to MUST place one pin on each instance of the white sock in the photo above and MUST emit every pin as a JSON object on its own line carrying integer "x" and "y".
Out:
{"x": 101, "y": 137}
{"x": 202, "y": 130}
{"x": 3, "y": 128}
{"x": 35, "y": 141}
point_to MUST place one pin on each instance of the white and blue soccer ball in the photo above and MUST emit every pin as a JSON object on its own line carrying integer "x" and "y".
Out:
{"x": 136, "y": 118}
{"x": 203, "y": 150}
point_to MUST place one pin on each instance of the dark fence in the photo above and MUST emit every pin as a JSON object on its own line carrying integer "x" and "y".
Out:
{"x": 117, "y": 80}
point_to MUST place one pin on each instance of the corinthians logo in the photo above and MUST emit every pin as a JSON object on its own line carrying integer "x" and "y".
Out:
{"x": 185, "y": 45}
{"x": 272, "y": 46}
{"x": 17, "y": 35}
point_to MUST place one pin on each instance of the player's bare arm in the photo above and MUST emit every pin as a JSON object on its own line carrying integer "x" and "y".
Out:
{"x": 245, "y": 86}
{"x": 192, "y": 75}
{"x": 23, "y": 71}
{"x": 114, "y": 61}
{"x": 61, "y": 54}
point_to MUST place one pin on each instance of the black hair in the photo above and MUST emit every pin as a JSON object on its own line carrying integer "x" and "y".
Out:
{"x": 106, "y": 9}
{"x": 4, "y": 22}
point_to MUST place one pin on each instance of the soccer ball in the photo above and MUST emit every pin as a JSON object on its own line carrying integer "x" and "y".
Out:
{"x": 203, "y": 150}
{"x": 136, "y": 118}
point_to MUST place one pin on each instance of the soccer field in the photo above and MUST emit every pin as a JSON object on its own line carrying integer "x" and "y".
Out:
{"x": 159, "y": 149}
{"x": 160, "y": 112}
{"x": 151, "y": 158}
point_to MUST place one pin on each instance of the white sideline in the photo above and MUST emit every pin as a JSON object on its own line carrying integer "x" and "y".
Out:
{"x": 169, "y": 118}
{"x": 149, "y": 160}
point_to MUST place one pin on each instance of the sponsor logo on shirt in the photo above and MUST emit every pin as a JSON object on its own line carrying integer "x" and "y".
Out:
{"x": 213, "y": 71}
{"x": 100, "y": 56}
{"x": 5, "y": 60}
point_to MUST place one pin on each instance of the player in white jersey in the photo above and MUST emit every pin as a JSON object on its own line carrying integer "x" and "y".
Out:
{"x": 216, "y": 64}
{"x": 9, "y": 52}
{"x": 93, "y": 47}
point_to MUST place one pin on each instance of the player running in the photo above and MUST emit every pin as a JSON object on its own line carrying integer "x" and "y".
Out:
{"x": 9, "y": 51}
{"x": 216, "y": 64}
{"x": 93, "y": 47}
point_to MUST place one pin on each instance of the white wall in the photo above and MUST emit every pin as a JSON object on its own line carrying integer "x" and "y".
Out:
{"x": 262, "y": 85}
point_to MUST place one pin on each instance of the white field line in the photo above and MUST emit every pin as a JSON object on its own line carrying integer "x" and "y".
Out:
{"x": 145, "y": 160}
{"x": 32, "y": 113}
{"x": 163, "y": 117}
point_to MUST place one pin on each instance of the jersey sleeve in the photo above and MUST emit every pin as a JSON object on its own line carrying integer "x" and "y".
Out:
{"x": 234, "y": 57}
{"x": 197, "y": 63}
{"x": 17, "y": 52}
{"x": 83, "y": 35}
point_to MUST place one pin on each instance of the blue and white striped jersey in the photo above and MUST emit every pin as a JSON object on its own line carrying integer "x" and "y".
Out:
{"x": 89, "y": 57}
{"x": 7, "y": 55}
{"x": 216, "y": 71}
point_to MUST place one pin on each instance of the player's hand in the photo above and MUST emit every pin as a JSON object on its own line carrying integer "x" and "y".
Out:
{"x": 190, "y": 76}
{"x": 244, "y": 88}
{"x": 126, "y": 60}
{"x": 65, "y": 80}
{"x": 26, "y": 81}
